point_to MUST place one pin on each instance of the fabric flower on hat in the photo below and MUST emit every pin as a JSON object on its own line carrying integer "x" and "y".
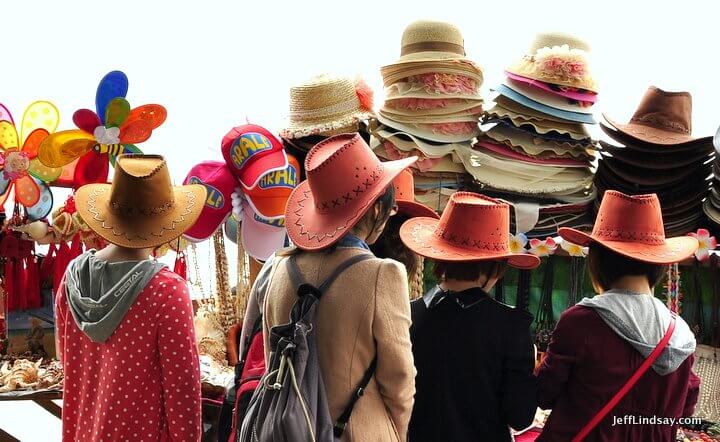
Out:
{"x": 517, "y": 243}
{"x": 707, "y": 243}
{"x": 574, "y": 249}
{"x": 542, "y": 248}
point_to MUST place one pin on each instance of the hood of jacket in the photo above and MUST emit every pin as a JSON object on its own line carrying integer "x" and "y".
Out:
{"x": 100, "y": 293}
{"x": 642, "y": 321}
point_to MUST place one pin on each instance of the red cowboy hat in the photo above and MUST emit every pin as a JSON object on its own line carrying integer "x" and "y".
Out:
{"x": 405, "y": 197}
{"x": 344, "y": 179}
{"x": 633, "y": 226}
{"x": 473, "y": 227}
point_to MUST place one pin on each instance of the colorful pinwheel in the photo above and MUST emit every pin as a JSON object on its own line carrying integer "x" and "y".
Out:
{"x": 113, "y": 129}
{"x": 20, "y": 170}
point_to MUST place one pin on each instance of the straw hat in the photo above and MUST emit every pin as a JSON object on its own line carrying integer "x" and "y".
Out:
{"x": 473, "y": 227}
{"x": 141, "y": 208}
{"x": 344, "y": 179}
{"x": 557, "y": 58}
{"x": 327, "y": 105}
{"x": 430, "y": 40}
{"x": 633, "y": 226}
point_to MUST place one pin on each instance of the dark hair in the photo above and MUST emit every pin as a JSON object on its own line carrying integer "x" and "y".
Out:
{"x": 389, "y": 245}
{"x": 607, "y": 267}
{"x": 466, "y": 271}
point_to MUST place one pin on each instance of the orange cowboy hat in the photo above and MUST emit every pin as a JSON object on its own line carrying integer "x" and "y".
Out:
{"x": 472, "y": 227}
{"x": 405, "y": 197}
{"x": 633, "y": 226}
{"x": 344, "y": 179}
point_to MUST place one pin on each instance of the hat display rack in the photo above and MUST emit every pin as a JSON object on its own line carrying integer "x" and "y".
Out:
{"x": 431, "y": 109}
{"x": 535, "y": 151}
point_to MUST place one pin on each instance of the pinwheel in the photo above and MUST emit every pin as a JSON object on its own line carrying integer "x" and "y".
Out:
{"x": 21, "y": 174}
{"x": 111, "y": 130}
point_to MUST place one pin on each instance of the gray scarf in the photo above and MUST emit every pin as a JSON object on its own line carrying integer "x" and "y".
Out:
{"x": 100, "y": 293}
{"x": 642, "y": 320}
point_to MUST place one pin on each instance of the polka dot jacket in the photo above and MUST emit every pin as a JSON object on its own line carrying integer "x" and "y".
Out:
{"x": 143, "y": 383}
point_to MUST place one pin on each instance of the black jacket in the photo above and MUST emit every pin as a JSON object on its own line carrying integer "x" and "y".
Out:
{"x": 474, "y": 360}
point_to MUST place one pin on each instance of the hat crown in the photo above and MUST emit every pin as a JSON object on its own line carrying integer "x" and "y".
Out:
{"x": 141, "y": 186}
{"x": 404, "y": 185}
{"x": 552, "y": 39}
{"x": 670, "y": 111}
{"x": 339, "y": 170}
{"x": 323, "y": 98}
{"x": 431, "y": 35}
{"x": 630, "y": 218}
{"x": 476, "y": 222}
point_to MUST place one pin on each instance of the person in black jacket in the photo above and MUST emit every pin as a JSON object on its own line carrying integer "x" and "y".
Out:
{"x": 474, "y": 356}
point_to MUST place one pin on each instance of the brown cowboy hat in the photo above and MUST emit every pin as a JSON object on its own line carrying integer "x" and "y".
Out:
{"x": 473, "y": 227}
{"x": 141, "y": 208}
{"x": 662, "y": 117}
{"x": 633, "y": 226}
{"x": 405, "y": 197}
{"x": 344, "y": 179}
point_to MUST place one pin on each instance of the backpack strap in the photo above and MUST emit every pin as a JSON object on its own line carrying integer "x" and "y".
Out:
{"x": 344, "y": 418}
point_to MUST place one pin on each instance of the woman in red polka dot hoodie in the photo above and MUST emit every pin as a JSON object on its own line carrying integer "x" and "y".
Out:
{"x": 124, "y": 322}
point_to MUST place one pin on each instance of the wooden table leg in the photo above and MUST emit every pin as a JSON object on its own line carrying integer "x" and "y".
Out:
{"x": 50, "y": 406}
{"x": 5, "y": 437}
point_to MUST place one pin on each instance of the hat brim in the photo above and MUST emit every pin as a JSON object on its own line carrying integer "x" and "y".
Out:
{"x": 93, "y": 204}
{"x": 519, "y": 98}
{"x": 652, "y": 135}
{"x": 589, "y": 97}
{"x": 427, "y": 134}
{"x": 674, "y": 250}
{"x": 345, "y": 124}
{"x": 418, "y": 234}
{"x": 311, "y": 230}
{"x": 205, "y": 227}
{"x": 260, "y": 240}
{"x": 255, "y": 171}
{"x": 413, "y": 209}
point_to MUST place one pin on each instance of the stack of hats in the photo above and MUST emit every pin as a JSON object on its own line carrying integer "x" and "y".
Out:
{"x": 658, "y": 154}
{"x": 537, "y": 155}
{"x": 431, "y": 110}
{"x": 253, "y": 183}
{"x": 712, "y": 203}
{"x": 323, "y": 106}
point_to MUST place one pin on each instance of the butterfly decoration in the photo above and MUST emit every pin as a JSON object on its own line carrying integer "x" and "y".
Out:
{"x": 112, "y": 129}
{"x": 22, "y": 175}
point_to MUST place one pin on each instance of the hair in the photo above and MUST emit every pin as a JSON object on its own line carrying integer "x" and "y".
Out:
{"x": 607, "y": 267}
{"x": 389, "y": 245}
{"x": 466, "y": 271}
{"x": 385, "y": 202}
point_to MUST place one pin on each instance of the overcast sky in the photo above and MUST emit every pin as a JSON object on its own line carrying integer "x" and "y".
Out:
{"x": 216, "y": 64}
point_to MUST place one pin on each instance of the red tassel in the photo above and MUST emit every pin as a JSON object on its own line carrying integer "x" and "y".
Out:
{"x": 10, "y": 285}
{"x": 33, "y": 297}
{"x": 47, "y": 267}
{"x": 180, "y": 265}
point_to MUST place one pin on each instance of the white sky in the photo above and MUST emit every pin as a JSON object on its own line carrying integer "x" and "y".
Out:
{"x": 214, "y": 64}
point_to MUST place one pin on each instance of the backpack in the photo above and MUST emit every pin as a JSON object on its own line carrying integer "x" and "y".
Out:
{"x": 290, "y": 404}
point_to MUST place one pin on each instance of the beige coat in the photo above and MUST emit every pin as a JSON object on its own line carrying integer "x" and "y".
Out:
{"x": 365, "y": 312}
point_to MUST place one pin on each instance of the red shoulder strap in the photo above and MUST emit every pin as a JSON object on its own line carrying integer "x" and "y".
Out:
{"x": 629, "y": 384}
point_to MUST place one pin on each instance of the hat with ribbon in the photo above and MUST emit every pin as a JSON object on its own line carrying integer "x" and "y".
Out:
{"x": 633, "y": 226}
{"x": 344, "y": 179}
{"x": 141, "y": 208}
{"x": 252, "y": 152}
{"x": 220, "y": 184}
{"x": 472, "y": 227}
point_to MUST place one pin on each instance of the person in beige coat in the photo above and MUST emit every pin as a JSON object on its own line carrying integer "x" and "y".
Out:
{"x": 365, "y": 314}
